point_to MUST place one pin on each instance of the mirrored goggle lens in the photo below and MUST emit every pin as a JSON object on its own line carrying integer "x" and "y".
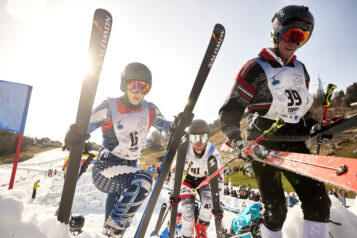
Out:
{"x": 295, "y": 35}
{"x": 136, "y": 86}
{"x": 199, "y": 138}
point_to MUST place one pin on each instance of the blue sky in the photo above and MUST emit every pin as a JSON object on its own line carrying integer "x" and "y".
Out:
{"x": 44, "y": 43}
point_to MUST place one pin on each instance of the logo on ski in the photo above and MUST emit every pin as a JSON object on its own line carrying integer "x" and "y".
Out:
{"x": 105, "y": 37}
{"x": 212, "y": 163}
{"x": 218, "y": 46}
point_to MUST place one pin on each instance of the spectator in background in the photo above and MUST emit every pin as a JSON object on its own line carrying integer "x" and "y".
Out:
{"x": 342, "y": 197}
{"x": 256, "y": 196}
{"x": 291, "y": 200}
{"x": 35, "y": 186}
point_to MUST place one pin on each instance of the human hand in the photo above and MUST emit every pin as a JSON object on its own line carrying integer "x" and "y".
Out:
{"x": 74, "y": 135}
{"x": 238, "y": 147}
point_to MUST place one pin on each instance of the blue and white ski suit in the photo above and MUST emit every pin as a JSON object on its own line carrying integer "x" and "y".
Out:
{"x": 116, "y": 172}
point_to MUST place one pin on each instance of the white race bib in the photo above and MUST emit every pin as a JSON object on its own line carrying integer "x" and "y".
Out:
{"x": 130, "y": 130}
{"x": 291, "y": 99}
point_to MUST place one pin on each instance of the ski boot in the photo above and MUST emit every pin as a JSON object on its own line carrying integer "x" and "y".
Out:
{"x": 76, "y": 224}
{"x": 112, "y": 229}
{"x": 201, "y": 229}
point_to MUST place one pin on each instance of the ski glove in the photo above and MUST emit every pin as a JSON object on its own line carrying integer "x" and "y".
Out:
{"x": 187, "y": 120}
{"x": 179, "y": 117}
{"x": 322, "y": 137}
{"x": 238, "y": 147}
{"x": 74, "y": 136}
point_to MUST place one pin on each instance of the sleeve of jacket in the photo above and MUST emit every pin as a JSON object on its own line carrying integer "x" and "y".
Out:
{"x": 309, "y": 120}
{"x": 99, "y": 116}
{"x": 241, "y": 95}
{"x": 158, "y": 121}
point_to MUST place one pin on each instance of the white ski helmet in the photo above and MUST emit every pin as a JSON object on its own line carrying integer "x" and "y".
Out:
{"x": 135, "y": 71}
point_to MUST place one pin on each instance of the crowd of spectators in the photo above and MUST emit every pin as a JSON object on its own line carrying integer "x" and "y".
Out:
{"x": 246, "y": 170}
{"x": 243, "y": 192}
{"x": 246, "y": 192}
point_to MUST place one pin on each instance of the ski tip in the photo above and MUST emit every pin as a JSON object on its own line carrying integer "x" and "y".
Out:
{"x": 218, "y": 33}
{"x": 102, "y": 11}
{"x": 219, "y": 27}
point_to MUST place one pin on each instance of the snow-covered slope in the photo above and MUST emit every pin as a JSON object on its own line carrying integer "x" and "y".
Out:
{"x": 20, "y": 216}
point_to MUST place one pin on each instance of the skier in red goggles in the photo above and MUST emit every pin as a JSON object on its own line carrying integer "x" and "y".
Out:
{"x": 275, "y": 84}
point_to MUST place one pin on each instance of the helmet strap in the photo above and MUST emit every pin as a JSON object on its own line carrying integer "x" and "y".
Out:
{"x": 277, "y": 51}
{"x": 125, "y": 100}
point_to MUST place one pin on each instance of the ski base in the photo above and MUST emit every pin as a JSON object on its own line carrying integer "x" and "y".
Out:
{"x": 337, "y": 171}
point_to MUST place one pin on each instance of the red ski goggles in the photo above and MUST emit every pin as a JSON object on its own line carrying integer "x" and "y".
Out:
{"x": 295, "y": 35}
{"x": 136, "y": 86}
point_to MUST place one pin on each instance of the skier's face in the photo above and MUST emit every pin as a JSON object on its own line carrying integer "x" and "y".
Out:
{"x": 135, "y": 98}
{"x": 199, "y": 147}
{"x": 287, "y": 49}
{"x": 179, "y": 220}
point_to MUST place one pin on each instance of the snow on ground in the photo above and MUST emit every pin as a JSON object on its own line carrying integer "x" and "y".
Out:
{"x": 22, "y": 216}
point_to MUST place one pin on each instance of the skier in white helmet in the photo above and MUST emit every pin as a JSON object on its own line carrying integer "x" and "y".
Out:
{"x": 199, "y": 149}
{"x": 275, "y": 84}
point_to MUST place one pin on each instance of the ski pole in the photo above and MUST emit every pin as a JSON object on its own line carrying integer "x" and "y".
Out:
{"x": 186, "y": 172}
{"x": 326, "y": 103}
{"x": 206, "y": 175}
{"x": 276, "y": 125}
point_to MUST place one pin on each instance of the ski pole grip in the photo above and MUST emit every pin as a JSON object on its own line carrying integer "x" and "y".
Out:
{"x": 276, "y": 125}
{"x": 329, "y": 92}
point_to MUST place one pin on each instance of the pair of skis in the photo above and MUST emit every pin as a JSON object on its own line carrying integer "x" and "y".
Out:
{"x": 208, "y": 60}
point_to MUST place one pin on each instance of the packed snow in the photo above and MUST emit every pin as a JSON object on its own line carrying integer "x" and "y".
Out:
{"x": 21, "y": 216}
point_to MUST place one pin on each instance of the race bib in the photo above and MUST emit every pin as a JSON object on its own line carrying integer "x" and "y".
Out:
{"x": 291, "y": 99}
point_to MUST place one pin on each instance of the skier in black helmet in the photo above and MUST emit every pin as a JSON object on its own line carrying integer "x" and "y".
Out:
{"x": 125, "y": 122}
{"x": 275, "y": 84}
{"x": 199, "y": 149}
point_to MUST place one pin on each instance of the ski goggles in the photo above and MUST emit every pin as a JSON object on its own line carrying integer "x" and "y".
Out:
{"x": 203, "y": 138}
{"x": 135, "y": 86}
{"x": 295, "y": 35}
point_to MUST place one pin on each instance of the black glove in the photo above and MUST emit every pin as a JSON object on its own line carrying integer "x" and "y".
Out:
{"x": 238, "y": 146}
{"x": 322, "y": 137}
{"x": 73, "y": 136}
{"x": 179, "y": 117}
{"x": 173, "y": 201}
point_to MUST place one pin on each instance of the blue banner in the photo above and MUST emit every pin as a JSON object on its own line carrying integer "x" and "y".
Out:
{"x": 14, "y": 103}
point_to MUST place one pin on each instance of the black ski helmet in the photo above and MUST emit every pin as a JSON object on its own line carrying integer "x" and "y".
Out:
{"x": 135, "y": 71}
{"x": 291, "y": 16}
{"x": 198, "y": 127}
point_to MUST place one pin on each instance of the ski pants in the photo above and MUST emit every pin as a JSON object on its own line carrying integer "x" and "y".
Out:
{"x": 126, "y": 190}
{"x": 112, "y": 198}
{"x": 188, "y": 207}
{"x": 34, "y": 193}
{"x": 315, "y": 202}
